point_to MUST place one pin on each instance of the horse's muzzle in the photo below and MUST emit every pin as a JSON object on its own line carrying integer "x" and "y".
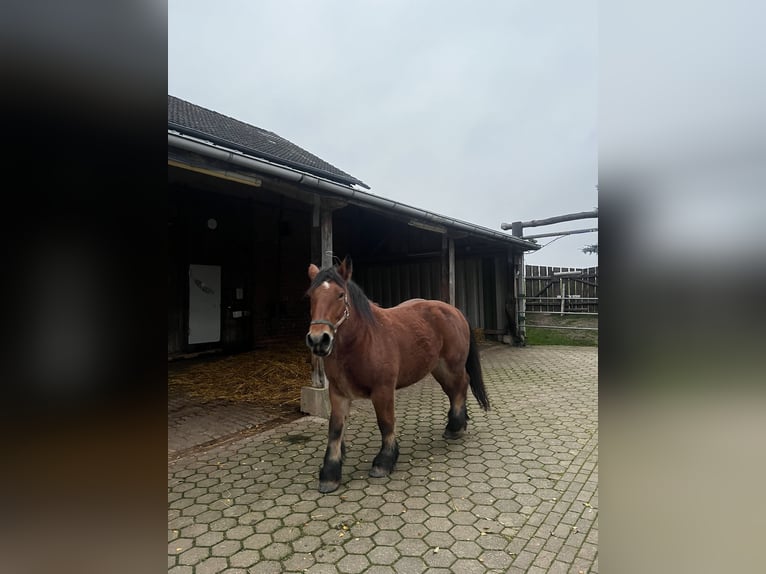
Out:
{"x": 320, "y": 345}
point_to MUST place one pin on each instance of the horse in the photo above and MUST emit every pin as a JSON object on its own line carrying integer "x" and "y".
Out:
{"x": 369, "y": 352}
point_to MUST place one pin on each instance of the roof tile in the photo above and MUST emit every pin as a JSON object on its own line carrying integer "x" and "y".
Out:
{"x": 197, "y": 121}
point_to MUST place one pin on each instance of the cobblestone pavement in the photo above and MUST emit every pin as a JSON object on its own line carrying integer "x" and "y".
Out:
{"x": 518, "y": 493}
{"x": 192, "y": 424}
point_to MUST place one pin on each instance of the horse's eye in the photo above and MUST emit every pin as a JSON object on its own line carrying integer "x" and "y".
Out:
{"x": 341, "y": 296}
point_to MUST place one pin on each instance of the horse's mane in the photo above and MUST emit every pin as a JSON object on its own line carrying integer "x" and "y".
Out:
{"x": 357, "y": 299}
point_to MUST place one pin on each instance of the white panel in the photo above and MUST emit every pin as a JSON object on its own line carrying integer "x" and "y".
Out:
{"x": 204, "y": 303}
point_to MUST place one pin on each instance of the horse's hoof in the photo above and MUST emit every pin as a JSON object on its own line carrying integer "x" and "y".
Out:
{"x": 452, "y": 435}
{"x": 379, "y": 472}
{"x": 328, "y": 486}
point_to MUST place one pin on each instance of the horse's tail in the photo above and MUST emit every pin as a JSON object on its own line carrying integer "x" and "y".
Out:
{"x": 473, "y": 367}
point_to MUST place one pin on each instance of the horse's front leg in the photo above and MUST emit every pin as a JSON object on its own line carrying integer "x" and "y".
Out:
{"x": 384, "y": 463}
{"x": 330, "y": 474}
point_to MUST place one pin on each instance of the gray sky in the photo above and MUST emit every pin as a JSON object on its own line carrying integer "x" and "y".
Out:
{"x": 482, "y": 111}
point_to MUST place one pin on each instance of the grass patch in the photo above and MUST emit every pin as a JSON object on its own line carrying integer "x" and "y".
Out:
{"x": 541, "y": 336}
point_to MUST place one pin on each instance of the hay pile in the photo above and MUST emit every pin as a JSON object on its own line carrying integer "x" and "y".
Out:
{"x": 271, "y": 376}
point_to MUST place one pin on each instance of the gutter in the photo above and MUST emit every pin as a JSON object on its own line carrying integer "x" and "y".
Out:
{"x": 355, "y": 196}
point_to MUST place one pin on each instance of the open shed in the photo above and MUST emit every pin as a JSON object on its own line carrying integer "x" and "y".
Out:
{"x": 249, "y": 210}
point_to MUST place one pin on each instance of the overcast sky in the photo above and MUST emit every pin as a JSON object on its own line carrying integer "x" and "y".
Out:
{"x": 482, "y": 111}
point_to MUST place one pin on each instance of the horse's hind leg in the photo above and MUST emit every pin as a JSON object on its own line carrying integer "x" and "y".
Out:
{"x": 330, "y": 474}
{"x": 455, "y": 386}
{"x": 386, "y": 459}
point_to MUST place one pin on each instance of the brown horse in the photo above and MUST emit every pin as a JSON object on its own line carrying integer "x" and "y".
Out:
{"x": 369, "y": 352}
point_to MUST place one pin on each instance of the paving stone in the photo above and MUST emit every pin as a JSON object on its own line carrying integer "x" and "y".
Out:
{"x": 298, "y": 562}
{"x": 524, "y": 559}
{"x": 245, "y": 558}
{"x": 412, "y": 547}
{"x": 439, "y": 558}
{"x": 485, "y": 501}
{"x": 276, "y": 551}
{"x": 410, "y": 565}
{"x": 466, "y": 549}
{"x": 267, "y": 567}
{"x": 567, "y": 554}
{"x": 466, "y": 566}
{"x": 384, "y": 555}
{"x": 180, "y": 545}
{"x": 257, "y": 541}
{"x": 496, "y": 559}
{"x": 440, "y": 539}
{"x": 226, "y": 548}
{"x": 438, "y": 524}
{"x": 211, "y": 566}
{"x": 193, "y": 556}
{"x": 464, "y": 532}
{"x": 353, "y": 564}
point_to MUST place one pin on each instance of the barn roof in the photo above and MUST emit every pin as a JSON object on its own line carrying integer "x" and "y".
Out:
{"x": 187, "y": 118}
{"x": 197, "y": 129}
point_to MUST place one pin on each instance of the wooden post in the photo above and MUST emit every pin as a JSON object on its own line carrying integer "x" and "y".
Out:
{"x": 314, "y": 399}
{"x": 318, "y": 376}
{"x": 451, "y": 258}
{"x": 326, "y": 242}
{"x": 517, "y": 229}
{"x": 316, "y": 232}
{"x": 562, "y": 287}
{"x": 520, "y": 293}
{"x": 445, "y": 270}
{"x": 510, "y": 298}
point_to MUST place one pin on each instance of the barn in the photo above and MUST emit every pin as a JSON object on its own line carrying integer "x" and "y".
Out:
{"x": 249, "y": 210}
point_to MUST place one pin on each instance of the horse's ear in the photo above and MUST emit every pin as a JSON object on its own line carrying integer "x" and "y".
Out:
{"x": 345, "y": 268}
{"x": 313, "y": 270}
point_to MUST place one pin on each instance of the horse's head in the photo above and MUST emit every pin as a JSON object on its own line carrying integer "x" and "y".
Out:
{"x": 329, "y": 305}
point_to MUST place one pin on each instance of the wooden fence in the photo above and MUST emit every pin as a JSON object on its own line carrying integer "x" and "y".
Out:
{"x": 546, "y": 285}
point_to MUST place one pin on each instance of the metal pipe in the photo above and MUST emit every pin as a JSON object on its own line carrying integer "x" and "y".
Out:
{"x": 556, "y": 327}
{"x": 554, "y": 234}
{"x": 566, "y": 313}
{"x": 559, "y": 297}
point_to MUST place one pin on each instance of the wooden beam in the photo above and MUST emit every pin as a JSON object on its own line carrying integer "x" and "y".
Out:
{"x": 226, "y": 174}
{"x": 550, "y": 220}
{"x": 544, "y": 289}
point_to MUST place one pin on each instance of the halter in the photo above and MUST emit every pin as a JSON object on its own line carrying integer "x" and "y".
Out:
{"x": 334, "y": 326}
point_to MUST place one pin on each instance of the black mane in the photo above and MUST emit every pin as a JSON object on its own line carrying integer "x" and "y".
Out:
{"x": 356, "y": 297}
